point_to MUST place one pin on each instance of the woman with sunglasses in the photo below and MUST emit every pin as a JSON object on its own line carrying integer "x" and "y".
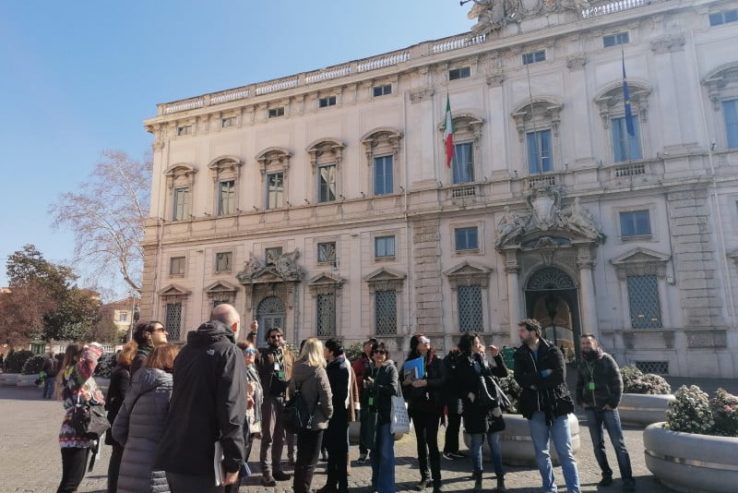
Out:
{"x": 423, "y": 389}
{"x": 381, "y": 384}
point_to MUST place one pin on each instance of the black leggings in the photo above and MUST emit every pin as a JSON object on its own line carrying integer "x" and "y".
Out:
{"x": 426, "y": 435}
{"x": 74, "y": 463}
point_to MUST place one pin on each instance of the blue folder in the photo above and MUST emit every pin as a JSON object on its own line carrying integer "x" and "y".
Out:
{"x": 415, "y": 367}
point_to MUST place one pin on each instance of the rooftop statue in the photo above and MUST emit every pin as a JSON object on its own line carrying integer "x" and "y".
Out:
{"x": 493, "y": 15}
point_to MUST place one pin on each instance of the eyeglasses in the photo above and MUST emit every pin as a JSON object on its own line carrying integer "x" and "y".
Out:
{"x": 160, "y": 329}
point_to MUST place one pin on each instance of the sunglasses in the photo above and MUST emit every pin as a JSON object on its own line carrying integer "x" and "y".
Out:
{"x": 160, "y": 330}
{"x": 249, "y": 351}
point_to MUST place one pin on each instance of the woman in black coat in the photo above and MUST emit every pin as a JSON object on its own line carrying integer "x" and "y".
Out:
{"x": 480, "y": 420}
{"x": 425, "y": 398}
{"x": 120, "y": 380}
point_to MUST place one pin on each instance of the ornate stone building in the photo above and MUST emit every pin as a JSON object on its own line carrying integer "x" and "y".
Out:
{"x": 321, "y": 202}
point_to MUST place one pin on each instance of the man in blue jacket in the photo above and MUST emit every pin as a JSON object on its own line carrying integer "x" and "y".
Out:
{"x": 208, "y": 404}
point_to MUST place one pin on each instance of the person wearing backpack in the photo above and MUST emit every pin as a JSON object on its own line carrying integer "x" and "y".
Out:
{"x": 310, "y": 384}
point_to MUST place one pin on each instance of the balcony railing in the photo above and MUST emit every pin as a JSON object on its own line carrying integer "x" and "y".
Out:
{"x": 632, "y": 169}
{"x": 605, "y": 8}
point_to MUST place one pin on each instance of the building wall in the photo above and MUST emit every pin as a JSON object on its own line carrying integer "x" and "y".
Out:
{"x": 686, "y": 180}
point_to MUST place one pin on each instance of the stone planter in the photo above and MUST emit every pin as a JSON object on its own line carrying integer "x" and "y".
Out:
{"x": 9, "y": 378}
{"x": 691, "y": 463}
{"x": 26, "y": 380}
{"x": 643, "y": 409}
{"x": 517, "y": 446}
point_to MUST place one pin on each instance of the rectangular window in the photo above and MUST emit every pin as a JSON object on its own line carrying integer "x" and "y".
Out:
{"x": 228, "y": 122}
{"x": 635, "y": 223}
{"x": 724, "y": 17}
{"x": 615, "y": 39}
{"x": 327, "y": 101}
{"x": 326, "y": 314}
{"x": 534, "y": 57}
{"x": 383, "y": 175}
{"x": 123, "y": 317}
{"x": 730, "y": 110}
{"x": 459, "y": 73}
{"x": 177, "y": 266}
{"x": 540, "y": 159}
{"x": 223, "y": 261}
{"x": 470, "y": 308}
{"x": 643, "y": 299}
{"x": 382, "y": 90}
{"x": 625, "y": 147}
{"x": 276, "y": 112}
{"x": 272, "y": 254}
{"x": 657, "y": 367}
{"x": 385, "y": 312}
{"x": 384, "y": 246}
{"x": 463, "y": 163}
{"x": 327, "y": 253}
{"x": 466, "y": 239}
{"x": 184, "y": 130}
{"x": 327, "y": 183}
{"x": 181, "y": 204}
{"x": 275, "y": 190}
{"x": 226, "y": 197}
{"x": 173, "y": 320}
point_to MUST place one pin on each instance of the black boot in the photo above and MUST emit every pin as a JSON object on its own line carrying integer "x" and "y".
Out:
{"x": 423, "y": 484}
{"x": 501, "y": 485}
{"x": 477, "y": 481}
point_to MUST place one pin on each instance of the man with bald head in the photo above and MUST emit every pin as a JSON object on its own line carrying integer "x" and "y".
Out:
{"x": 208, "y": 404}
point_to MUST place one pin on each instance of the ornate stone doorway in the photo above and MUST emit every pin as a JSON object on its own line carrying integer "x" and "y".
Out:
{"x": 270, "y": 313}
{"x": 551, "y": 297}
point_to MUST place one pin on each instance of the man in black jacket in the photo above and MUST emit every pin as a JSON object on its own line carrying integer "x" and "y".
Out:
{"x": 599, "y": 389}
{"x": 208, "y": 404}
{"x": 336, "y": 436}
{"x": 545, "y": 401}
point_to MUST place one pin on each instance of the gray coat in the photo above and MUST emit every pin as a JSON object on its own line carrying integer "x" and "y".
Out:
{"x": 316, "y": 390}
{"x": 139, "y": 426}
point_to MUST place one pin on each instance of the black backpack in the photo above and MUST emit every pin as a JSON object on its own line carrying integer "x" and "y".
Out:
{"x": 296, "y": 415}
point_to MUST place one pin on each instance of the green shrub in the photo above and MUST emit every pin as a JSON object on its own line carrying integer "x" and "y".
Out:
{"x": 690, "y": 412}
{"x": 636, "y": 382}
{"x": 16, "y": 359}
{"x": 512, "y": 390}
{"x": 34, "y": 365}
{"x": 354, "y": 351}
{"x": 724, "y": 408}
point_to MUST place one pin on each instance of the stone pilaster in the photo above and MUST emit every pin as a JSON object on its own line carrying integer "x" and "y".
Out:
{"x": 427, "y": 285}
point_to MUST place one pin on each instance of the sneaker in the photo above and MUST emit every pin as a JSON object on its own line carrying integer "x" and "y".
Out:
{"x": 423, "y": 484}
{"x": 282, "y": 476}
{"x": 606, "y": 481}
{"x": 268, "y": 481}
{"x": 448, "y": 456}
{"x": 457, "y": 455}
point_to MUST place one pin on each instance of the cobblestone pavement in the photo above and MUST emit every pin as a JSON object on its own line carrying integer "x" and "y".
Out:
{"x": 30, "y": 459}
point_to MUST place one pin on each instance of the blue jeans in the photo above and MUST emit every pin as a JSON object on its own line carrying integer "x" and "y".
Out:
{"x": 383, "y": 460}
{"x": 610, "y": 420}
{"x": 48, "y": 391}
{"x": 475, "y": 451}
{"x": 560, "y": 433}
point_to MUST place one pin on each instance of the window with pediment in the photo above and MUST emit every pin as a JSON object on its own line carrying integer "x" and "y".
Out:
{"x": 385, "y": 287}
{"x": 382, "y": 148}
{"x": 180, "y": 183}
{"x": 469, "y": 284}
{"x": 722, "y": 89}
{"x": 465, "y": 166}
{"x": 221, "y": 292}
{"x": 537, "y": 122}
{"x": 173, "y": 300}
{"x": 642, "y": 274}
{"x": 325, "y": 289}
{"x": 226, "y": 174}
{"x": 624, "y": 136}
{"x": 274, "y": 165}
{"x": 325, "y": 158}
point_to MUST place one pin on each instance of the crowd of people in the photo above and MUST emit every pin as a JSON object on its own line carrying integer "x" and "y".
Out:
{"x": 184, "y": 419}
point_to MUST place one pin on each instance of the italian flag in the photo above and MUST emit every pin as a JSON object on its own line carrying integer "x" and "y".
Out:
{"x": 448, "y": 133}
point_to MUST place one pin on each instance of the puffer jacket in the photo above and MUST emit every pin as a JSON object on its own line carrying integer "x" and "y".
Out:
{"x": 139, "y": 427}
{"x": 316, "y": 390}
{"x": 120, "y": 381}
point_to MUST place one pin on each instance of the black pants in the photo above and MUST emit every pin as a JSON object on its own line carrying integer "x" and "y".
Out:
{"x": 336, "y": 441}
{"x": 114, "y": 467}
{"x": 426, "y": 435}
{"x": 249, "y": 439}
{"x": 308, "y": 449}
{"x": 74, "y": 463}
{"x": 452, "y": 434}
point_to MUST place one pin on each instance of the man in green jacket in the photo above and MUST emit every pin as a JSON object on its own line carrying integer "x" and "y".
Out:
{"x": 599, "y": 389}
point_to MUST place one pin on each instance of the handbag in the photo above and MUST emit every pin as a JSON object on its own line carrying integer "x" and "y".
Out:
{"x": 399, "y": 419}
{"x": 296, "y": 414}
{"x": 89, "y": 420}
{"x": 486, "y": 399}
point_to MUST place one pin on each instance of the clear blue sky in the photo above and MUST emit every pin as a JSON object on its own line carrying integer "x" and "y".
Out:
{"x": 79, "y": 77}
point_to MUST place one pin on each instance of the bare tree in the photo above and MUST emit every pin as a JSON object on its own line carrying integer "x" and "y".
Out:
{"x": 107, "y": 216}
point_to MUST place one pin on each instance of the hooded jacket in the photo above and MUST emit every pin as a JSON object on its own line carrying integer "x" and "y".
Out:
{"x": 599, "y": 382}
{"x": 138, "y": 426}
{"x": 208, "y": 404}
{"x": 316, "y": 390}
{"x": 542, "y": 378}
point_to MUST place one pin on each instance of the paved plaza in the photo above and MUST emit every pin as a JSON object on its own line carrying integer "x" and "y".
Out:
{"x": 30, "y": 461}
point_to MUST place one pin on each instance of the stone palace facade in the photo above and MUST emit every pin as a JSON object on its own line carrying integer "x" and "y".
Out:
{"x": 322, "y": 203}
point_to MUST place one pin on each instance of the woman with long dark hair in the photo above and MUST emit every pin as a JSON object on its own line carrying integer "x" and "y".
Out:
{"x": 147, "y": 335}
{"x": 120, "y": 380}
{"x": 423, "y": 391}
{"x": 76, "y": 387}
{"x": 482, "y": 417}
